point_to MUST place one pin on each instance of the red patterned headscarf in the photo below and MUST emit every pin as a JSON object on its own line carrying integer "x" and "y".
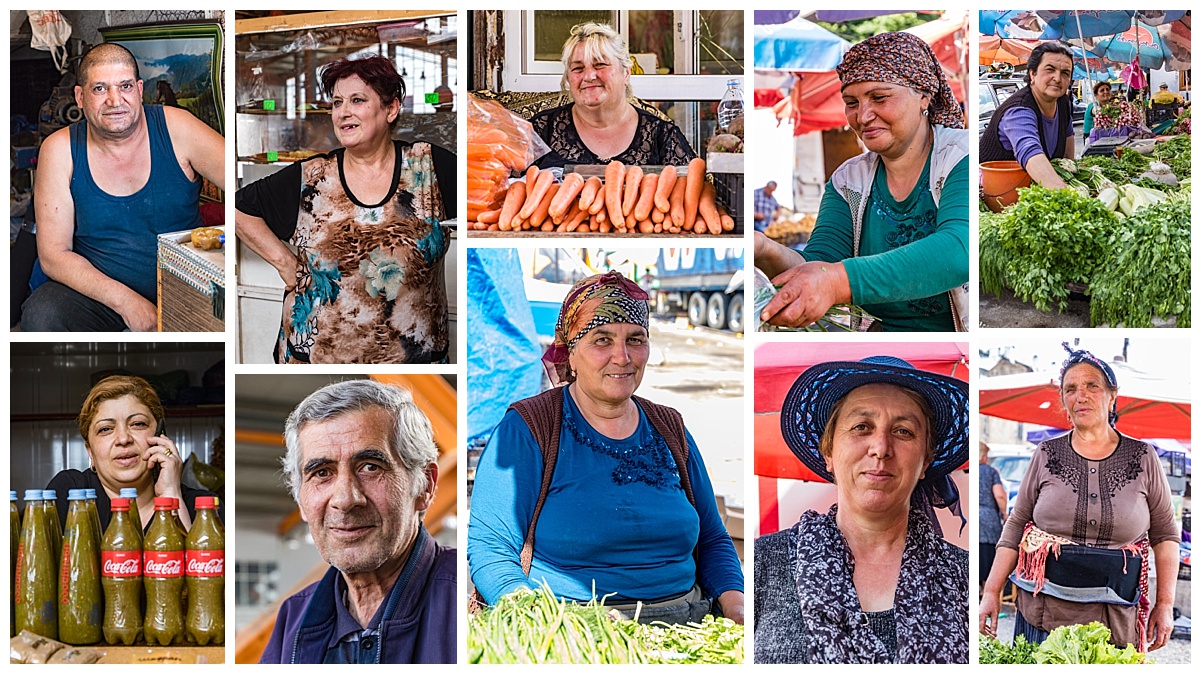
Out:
{"x": 906, "y": 60}
{"x": 593, "y": 302}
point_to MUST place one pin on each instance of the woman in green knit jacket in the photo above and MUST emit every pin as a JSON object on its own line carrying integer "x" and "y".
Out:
{"x": 892, "y": 229}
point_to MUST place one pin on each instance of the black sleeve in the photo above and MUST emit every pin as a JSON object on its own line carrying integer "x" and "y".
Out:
{"x": 61, "y": 483}
{"x": 275, "y": 199}
{"x": 446, "y": 167}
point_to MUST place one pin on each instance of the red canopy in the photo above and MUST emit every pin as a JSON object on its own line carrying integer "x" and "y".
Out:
{"x": 1148, "y": 407}
{"x": 777, "y": 365}
{"x": 947, "y": 37}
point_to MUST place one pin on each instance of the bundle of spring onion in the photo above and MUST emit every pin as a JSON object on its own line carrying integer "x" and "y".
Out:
{"x": 534, "y": 626}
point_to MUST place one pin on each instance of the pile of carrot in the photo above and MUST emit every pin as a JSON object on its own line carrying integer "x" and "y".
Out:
{"x": 626, "y": 201}
{"x": 498, "y": 143}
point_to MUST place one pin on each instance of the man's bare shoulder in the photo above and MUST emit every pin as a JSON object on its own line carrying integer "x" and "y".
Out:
{"x": 56, "y": 144}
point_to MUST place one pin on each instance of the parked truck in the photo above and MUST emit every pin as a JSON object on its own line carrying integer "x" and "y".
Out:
{"x": 706, "y": 283}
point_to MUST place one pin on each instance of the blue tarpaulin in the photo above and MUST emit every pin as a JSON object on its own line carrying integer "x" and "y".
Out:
{"x": 797, "y": 46}
{"x": 503, "y": 356}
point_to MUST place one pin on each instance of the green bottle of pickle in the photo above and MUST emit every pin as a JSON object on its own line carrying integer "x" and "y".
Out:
{"x": 134, "y": 514}
{"x": 50, "y": 503}
{"x": 14, "y": 545}
{"x": 205, "y": 570}
{"x": 121, "y": 566}
{"x": 80, "y": 605}
{"x": 36, "y": 578}
{"x": 162, "y": 567}
{"x": 95, "y": 514}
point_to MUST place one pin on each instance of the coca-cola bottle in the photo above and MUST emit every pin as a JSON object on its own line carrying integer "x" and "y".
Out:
{"x": 80, "y": 607}
{"x": 206, "y": 575}
{"x": 134, "y": 514}
{"x": 121, "y": 576}
{"x": 162, "y": 566}
{"x": 35, "y": 579}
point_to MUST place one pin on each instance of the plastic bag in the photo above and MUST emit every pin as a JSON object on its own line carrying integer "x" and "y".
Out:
{"x": 50, "y": 33}
{"x": 498, "y": 143}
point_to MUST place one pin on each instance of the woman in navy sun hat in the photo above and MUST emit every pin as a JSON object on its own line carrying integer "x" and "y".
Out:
{"x": 872, "y": 580}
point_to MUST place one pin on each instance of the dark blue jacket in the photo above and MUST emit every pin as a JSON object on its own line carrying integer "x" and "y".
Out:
{"x": 418, "y": 624}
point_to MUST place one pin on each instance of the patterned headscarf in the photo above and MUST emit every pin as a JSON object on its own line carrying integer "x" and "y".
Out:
{"x": 1076, "y": 357}
{"x": 593, "y": 302}
{"x": 904, "y": 59}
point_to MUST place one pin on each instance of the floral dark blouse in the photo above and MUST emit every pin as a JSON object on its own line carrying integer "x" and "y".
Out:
{"x": 370, "y": 287}
{"x": 656, "y": 141}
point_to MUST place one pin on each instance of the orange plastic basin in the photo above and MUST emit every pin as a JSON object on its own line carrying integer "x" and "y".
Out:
{"x": 1001, "y": 182}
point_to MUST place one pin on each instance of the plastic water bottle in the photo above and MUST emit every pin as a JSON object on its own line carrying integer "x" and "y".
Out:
{"x": 730, "y": 106}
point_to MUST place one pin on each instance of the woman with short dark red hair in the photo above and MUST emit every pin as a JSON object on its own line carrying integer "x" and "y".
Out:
{"x": 365, "y": 284}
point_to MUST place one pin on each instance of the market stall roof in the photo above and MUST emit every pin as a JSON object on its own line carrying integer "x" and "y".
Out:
{"x": 1072, "y": 24}
{"x": 797, "y": 46}
{"x": 1148, "y": 406}
{"x": 996, "y": 49}
{"x": 840, "y": 15}
{"x": 777, "y": 365}
{"x": 947, "y": 37}
{"x": 1141, "y": 43}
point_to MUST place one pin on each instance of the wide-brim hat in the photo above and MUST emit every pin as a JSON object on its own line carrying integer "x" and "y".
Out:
{"x": 808, "y": 403}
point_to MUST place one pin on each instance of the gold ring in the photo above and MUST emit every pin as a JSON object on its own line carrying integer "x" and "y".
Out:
{"x": 168, "y": 451}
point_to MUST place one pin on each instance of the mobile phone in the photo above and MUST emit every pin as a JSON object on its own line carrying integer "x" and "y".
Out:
{"x": 161, "y": 428}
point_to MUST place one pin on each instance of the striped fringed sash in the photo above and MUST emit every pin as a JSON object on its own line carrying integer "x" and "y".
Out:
{"x": 1037, "y": 545}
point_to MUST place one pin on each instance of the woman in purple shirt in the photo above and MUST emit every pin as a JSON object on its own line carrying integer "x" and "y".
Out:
{"x": 1034, "y": 125}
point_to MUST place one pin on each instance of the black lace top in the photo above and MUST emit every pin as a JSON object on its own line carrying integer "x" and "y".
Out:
{"x": 656, "y": 141}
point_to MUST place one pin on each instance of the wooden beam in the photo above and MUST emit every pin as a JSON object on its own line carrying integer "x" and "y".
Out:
{"x": 250, "y": 437}
{"x": 437, "y": 398}
{"x": 274, "y": 24}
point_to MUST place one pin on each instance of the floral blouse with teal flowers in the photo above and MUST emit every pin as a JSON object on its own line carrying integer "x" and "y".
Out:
{"x": 370, "y": 287}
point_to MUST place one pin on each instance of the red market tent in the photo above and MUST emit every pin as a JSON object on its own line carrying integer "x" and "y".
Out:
{"x": 777, "y": 365}
{"x": 947, "y": 36}
{"x": 1148, "y": 406}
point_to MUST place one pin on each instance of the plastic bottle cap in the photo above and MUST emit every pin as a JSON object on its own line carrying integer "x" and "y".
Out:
{"x": 49, "y": 494}
{"x": 91, "y": 493}
{"x": 76, "y": 494}
{"x": 164, "y": 503}
{"x": 12, "y": 494}
{"x": 206, "y": 502}
{"x": 33, "y": 494}
{"x": 129, "y": 492}
{"x": 120, "y": 504}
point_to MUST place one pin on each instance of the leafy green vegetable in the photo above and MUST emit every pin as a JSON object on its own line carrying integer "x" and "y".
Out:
{"x": 535, "y": 626}
{"x": 1133, "y": 162}
{"x": 1146, "y": 271}
{"x": 1051, "y": 238}
{"x": 1084, "y": 644}
{"x": 993, "y": 652}
{"x": 992, "y": 254}
{"x": 1111, "y": 168}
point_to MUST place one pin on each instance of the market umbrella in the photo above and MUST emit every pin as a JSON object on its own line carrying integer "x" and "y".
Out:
{"x": 996, "y": 49}
{"x": 1019, "y": 24}
{"x": 797, "y": 46}
{"x": 840, "y": 15}
{"x": 1141, "y": 42}
{"x": 1148, "y": 406}
{"x": 1072, "y": 24}
{"x": 1178, "y": 38}
{"x": 764, "y": 17}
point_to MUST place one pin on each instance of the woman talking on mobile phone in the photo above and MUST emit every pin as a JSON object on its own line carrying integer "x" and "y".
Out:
{"x": 122, "y": 427}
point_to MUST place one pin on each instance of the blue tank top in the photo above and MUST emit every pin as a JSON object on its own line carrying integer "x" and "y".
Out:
{"x": 119, "y": 235}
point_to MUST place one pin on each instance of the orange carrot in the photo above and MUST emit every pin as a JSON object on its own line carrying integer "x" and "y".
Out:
{"x": 614, "y": 180}
{"x": 667, "y": 181}
{"x": 646, "y": 226}
{"x": 707, "y": 208}
{"x": 540, "y": 213}
{"x": 646, "y": 197}
{"x": 727, "y": 223}
{"x": 656, "y": 216}
{"x": 677, "y": 204}
{"x": 588, "y": 194}
{"x": 535, "y": 191}
{"x": 633, "y": 181}
{"x": 514, "y": 198}
{"x": 489, "y": 217}
{"x": 695, "y": 182}
{"x": 570, "y": 187}
{"x": 575, "y": 217}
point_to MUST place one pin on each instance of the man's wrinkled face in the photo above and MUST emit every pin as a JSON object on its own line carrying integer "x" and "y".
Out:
{"x": 355, "y": 494}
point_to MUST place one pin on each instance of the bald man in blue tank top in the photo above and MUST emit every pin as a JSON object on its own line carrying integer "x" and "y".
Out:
{"x": 106, "y": 187}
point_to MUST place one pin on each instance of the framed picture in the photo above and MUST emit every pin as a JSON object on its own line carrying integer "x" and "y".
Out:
{"x": 180, "y": 66}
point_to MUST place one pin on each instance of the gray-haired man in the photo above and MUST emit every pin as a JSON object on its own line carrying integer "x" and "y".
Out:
{"x": 362, "y": 465}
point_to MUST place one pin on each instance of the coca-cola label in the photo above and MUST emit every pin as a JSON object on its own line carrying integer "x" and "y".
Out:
{"x": 205, "y": 563}
{"x": 163, "y": 564}
{"x": 120, "y": 563}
